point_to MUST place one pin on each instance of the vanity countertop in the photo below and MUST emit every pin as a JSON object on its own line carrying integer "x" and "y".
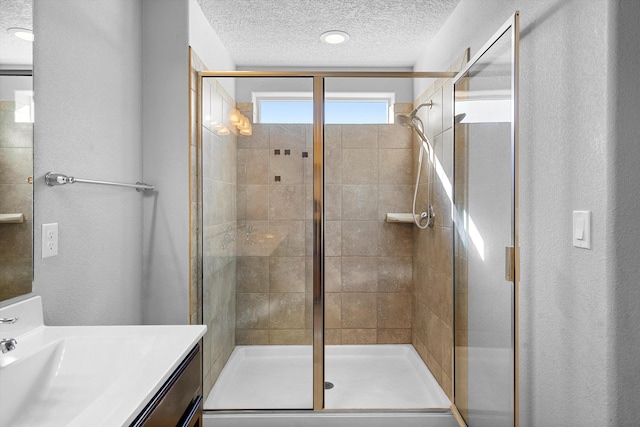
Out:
{"x": 84, "y": 375}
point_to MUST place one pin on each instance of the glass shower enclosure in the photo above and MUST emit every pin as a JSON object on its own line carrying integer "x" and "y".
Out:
{"x": 314, "y": 281}
{"x": 301, "y": 268}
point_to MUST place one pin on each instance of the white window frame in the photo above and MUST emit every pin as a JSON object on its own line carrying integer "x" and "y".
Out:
{"x": 388, "y": 97}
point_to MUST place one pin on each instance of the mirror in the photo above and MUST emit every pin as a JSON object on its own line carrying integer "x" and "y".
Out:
{"x": 16, "y": 149}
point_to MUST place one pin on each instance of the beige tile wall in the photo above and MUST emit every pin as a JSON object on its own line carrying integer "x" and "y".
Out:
{"x": 274, "y": 300}
{"x": 368, "y": 173}
{"x": 16, "y": 166}
{"x": 432, "y": 250}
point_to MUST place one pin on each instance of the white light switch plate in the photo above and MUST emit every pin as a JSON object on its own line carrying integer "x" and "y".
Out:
{"x": 582, "y": 229}
{"x": 49, "y": 240}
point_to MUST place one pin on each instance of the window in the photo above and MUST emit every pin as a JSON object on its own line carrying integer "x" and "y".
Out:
{"x": 340, "y": 108}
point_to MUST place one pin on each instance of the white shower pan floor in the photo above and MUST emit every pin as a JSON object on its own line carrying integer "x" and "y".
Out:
{"x": 383, "y": 376}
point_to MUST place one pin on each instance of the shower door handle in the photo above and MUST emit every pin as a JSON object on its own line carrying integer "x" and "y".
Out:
{"x": 510, "y": 264}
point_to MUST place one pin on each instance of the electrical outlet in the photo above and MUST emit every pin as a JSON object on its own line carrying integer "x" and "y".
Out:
{"x": 49, "y": 240}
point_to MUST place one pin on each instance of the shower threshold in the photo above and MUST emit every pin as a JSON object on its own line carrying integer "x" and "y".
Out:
{"x": 383, "y": 376}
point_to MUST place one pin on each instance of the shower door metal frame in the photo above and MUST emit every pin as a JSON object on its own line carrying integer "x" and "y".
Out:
{"x": 318, "y": 78}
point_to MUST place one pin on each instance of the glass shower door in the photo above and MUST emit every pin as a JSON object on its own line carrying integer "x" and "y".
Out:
{"x": 257, "y": 172}
{"x": 370, "y": 169}
{"x": 485, "y": 237}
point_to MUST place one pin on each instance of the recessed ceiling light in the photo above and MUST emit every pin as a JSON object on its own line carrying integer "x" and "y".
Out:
{"x": 22, "y": 33}
{"x": 334, "y": 37}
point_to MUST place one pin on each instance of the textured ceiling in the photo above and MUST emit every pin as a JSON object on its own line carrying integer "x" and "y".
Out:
{"x": 286, "y": 33}
{"x": 13, "y": 51}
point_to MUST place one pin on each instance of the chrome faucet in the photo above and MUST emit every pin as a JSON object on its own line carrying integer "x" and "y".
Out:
{"x": 7, "y": 344}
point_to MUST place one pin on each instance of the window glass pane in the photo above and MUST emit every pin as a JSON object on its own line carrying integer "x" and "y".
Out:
{"x": 286, "y": 112}
{"x": 336, "y": 112}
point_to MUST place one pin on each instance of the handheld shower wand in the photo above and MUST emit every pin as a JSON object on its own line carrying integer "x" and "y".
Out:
{"x": 414, "y": 122}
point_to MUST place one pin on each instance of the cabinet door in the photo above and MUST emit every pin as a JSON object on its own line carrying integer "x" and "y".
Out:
{"x": 179, "y": 399}
{"x": 193, "y": 416}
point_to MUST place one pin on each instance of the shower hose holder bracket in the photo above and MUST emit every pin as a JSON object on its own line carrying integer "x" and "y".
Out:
{"x": 428, "y": 216}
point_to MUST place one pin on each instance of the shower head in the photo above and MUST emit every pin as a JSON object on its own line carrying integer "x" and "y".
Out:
{"x": 406, "y": 119}
{"x": 414, "y": 123}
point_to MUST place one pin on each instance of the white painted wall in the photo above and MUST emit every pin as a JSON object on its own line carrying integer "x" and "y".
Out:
{"x": 165, "y": 118}
{"x": 479, "y": 20}
{"x": 579, "y": 308}
{"x": 208, "y": 46}
{"x": 112, "y": 84}
{"x": 566, "y": 319}
{"x": 624, "y": 203}
{"x": 168, "y": 28}
{"x": 87, "y": 77}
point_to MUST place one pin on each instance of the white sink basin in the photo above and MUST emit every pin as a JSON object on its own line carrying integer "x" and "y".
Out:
{"x": 87, "y": 375}
{"x": 25, "y": 381}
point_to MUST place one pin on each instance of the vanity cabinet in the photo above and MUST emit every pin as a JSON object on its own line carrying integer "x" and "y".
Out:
{"x": 179, "y": 402}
